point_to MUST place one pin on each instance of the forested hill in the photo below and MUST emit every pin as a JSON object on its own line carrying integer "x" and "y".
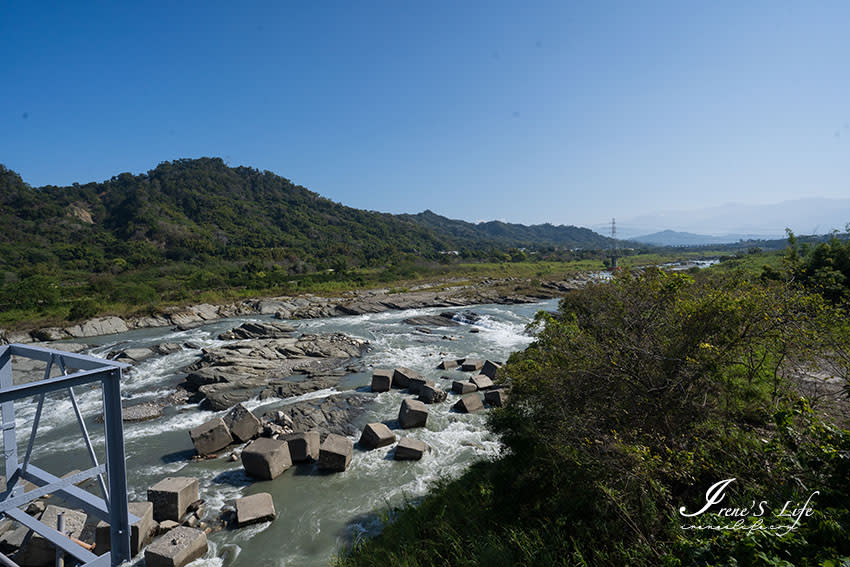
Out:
{"x": 499, "y": 233}
{"x": 196, "y": 209}
{"x": 201, "y": 209}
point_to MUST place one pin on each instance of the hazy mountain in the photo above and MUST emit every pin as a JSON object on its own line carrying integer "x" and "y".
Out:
{"x": 805, "y": 216}
{"x": 673, "y": 238}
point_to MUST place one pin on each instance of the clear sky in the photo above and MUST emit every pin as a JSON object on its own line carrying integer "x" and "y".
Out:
{"x": 563, "y": 112}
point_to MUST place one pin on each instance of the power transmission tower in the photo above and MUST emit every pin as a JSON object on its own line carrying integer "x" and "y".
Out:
{"x": 614, "y": 252}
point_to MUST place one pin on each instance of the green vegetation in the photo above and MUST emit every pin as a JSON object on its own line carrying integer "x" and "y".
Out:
{"x": 192, "y": 229}
{"x": 635, "y": 398}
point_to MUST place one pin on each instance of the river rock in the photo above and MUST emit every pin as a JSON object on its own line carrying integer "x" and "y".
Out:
{"x": 430, "y": 393}
{"x": 490, "y": 368}
{"x": 382, "y": 379}
{"x": 463, "y": 387}
{"x": 98, "y": 326}
{"x": 255, "y": 330}
{"x": 172, "y": 497}
{"x": 376, "y": 435}
{"x": 211, "y": 436}
{"x": 243, "y": 424}
{"x": 141, "y": 531}
{"x": 131, "y": 355}
{"x": 266, "y": 459}
{"x": 409, "y": 449}
{"x": 413, "y": 413}
{"x": 176, "y": 548}
{"x": 469, "y": 404}
{"x": 335, "y": 453}
{"x": 496, "y": 398}
{"x": 303, "y": 446}
{"x": 472, "y": 364}
{"x": 482, "y": 382}
{"x": 254, "y": 509}
{"x": 402, "y": 377}
{"x": 432, "y": 320}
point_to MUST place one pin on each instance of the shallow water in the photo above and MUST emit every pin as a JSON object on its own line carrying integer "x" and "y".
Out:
{"x": 317, "y": 514}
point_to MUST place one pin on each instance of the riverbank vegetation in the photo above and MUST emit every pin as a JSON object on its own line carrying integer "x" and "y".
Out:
{"x": 636, "y": 397}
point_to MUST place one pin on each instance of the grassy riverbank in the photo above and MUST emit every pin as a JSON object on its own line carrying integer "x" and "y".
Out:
{"x": 80, "y": 295}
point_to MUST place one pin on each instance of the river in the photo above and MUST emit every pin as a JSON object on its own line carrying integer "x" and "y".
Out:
{"x": 317, "y": 514}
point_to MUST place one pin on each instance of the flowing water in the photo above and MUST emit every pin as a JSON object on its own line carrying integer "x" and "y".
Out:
{"x": 317, "y": 514}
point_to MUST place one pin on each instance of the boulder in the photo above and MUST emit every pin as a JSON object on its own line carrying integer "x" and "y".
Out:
{"x": 430, "y": 393}
{"x": 303, "y": 446}
{"x": 141, "y": 531}
{"x": 211, "y": 436}
{"x": 496, "y": 398}
{"x": 254, "y": 509}
{"x": 98, "y": 326}
{"x": 39, "y": 551}
{"x": 489, "y": 369}
{"x": 409, "y": 449}
{"x": 463, "y": 387}
{"x": 402, "y": 377}
{"x": 432, "y": 320}
{"x": 243, "y": 424}
{"x": 266, "y": 459}
{"x": 413, "y": 413}
{"x": 482, "y": 382}
{"x": 176, "y": 548}
{"x": 469, "y": 404}
{"x": 472, "y": 364}
{"x": 335, "y": 453}
{"x": 382, "y": 379}
{"x": 376, "y": 435}
{"x": 172, "y": 497}
{"x": 255, "y": 330}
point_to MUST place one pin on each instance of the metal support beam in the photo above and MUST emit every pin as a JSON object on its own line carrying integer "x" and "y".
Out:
{"x": 113, "y": 506}
{"x": 116, "y": 471}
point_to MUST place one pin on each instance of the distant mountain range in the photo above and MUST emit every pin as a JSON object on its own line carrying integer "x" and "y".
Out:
{"x": 674, "y": 238}
{"x": 498, "y": 233}
{"x": 733, "y": 221}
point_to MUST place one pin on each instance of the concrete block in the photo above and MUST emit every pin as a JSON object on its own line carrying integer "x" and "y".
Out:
{"x": 402, "y": 376}
{"x": 335, "y": 453}
{"x": 463, "y": 387}
{"x": 172, "y": 496}
{"x": 472, "y": 364}
{"x": 409, "y": 449}
{"x": 415, "y": 384}
{"x": 176, "y": 548}
{"x": 38, "y": 551}
{"x": 303, "y": 446}
{"x": 266, "y": 459}
{"x": 413, "y": 413}
{"x": 211, "y": 436}
{"x": 243, "y": 424}
{"x": 376, "y": 435}
{"x": 431, "y": 394}
{"x": 482, "y": 382}
{"x": 469, "y": 404}
{"x": 449, "y": 364}
{"x": 141, "y": 531}
{"x": 254, "y": 509}
{"x": 496, "y": 398}
{"x": 490, "y": 368}
{"x": 382, "y": 379}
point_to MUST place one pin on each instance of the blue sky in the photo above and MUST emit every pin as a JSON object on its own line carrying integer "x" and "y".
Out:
{"x": 563, "y": 112}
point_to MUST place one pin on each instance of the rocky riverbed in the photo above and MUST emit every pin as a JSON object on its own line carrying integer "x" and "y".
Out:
{"x": 304, "y": 374}
{"x": 449, "y": 293}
